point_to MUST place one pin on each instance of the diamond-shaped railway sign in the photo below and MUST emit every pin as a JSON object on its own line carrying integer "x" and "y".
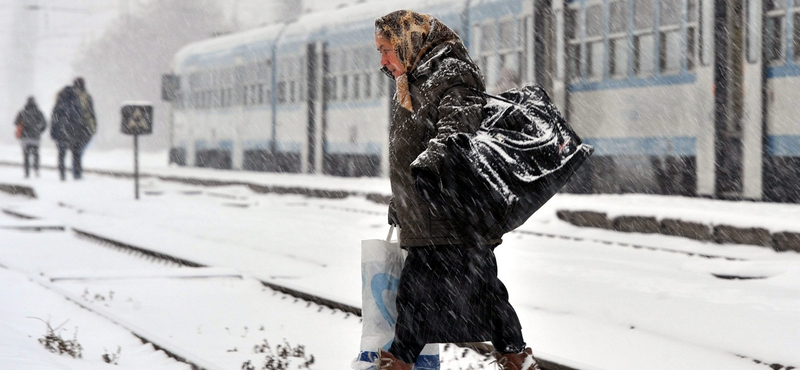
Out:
{"x": 137, "y": 119}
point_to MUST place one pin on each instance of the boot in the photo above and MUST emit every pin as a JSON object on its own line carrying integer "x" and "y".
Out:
{"x": 517, "y": 361}
{"x": 387, "y": 361}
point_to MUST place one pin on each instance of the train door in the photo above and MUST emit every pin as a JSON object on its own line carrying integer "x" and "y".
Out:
{"x": 315, "y": 101}
{"x": 240, "y": 80}
{"x": 541, "y": 37}
{"x": 737, "y": 114}
{"x": 753, "y": 100}
{"x": 559, "y": 77}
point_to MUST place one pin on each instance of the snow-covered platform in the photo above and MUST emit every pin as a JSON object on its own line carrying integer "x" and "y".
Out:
{"x": 595, "y": 296}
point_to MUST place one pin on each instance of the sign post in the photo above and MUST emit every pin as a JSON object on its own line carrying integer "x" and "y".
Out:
{"x": 137, "y": 119}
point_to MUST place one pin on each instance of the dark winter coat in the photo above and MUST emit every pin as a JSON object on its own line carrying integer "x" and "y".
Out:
{"x": 68, "y": 128}
{"x": 449, "y": 291}
{"x": 32, "y": 121}
{"x": 444, "y": 104}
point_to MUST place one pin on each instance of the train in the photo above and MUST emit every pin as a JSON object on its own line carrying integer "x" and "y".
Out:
{"x": 678, "y": 97}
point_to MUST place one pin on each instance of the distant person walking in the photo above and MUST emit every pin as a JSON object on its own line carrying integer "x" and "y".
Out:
{"x": 68, "y": 131}
{"x": 74, "y": 124}
{"x": 87, "y": 107}
{"x": 30, "y": 124}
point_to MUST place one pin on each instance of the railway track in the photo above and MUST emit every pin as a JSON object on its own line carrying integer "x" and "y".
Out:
{"x": 159, "y": 257}
{"x": 198, "y": 363}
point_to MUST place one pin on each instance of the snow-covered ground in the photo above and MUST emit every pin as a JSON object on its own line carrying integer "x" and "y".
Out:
{"x": 588, "y": 298}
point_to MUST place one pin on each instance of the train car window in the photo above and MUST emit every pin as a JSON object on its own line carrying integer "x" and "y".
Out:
{"x": 594, "y": 20}
{"x": 260, "y": 94}
{"x": 487, "y": 50}
{"x": 617, "y": 17}
{"x": 594, "y": 59}
{"x": 595, "y": 48}
{"x": 618, "y": 61}
{"x": 507, "y": 34}
{"x": 345, "y": 92}
{"x": 753, "y": 32}
{"x": 281, "y": 92}
{"x": 691, "y": 33}
{"x": 574, "y": 61}
{"x": 574, "y": 46}
{"x": 643, "y": 14}
{"x": 670, "y": 12}
{"x": 643, "y": 40}
{"x": 328, "y": 89}
{"x": 487, "y": 37}
{"x": 670, "y": 53}
{"x": 367, "y": 85}
{"x": 643, "y": 60}
{"x": 773, "y": 32}
{"x": 476, "y": 37}
{"x": 507, "y": 50}
{"x": 381, "y": 83}
{"x": 246, "y": 95}
{"x": 796, "y": 36}
{"x": 618, "y": 39}
{"x": 356, "y": 87}
{"x": 525, "y": 47}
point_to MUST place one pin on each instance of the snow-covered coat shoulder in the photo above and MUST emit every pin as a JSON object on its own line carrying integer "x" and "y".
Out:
{"x": 446, "y": 82}
{"x": 441, "y": 90}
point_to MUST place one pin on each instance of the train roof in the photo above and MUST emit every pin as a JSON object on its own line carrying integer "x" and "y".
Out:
{"x": 347, "y": 25}
{"x": 359, "y": 18}
{"x": 256, "y": 41}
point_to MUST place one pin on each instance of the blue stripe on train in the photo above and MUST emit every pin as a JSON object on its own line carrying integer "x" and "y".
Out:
{"x": 789, "y": 70}
{"x": 783, "y": 145}
{"x": 684, "y": 146}
{"x": 680, "y": 79}
{"x": 777, "y": 146}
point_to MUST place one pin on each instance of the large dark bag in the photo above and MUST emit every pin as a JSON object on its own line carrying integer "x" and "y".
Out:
{"x": 523, "y": 153}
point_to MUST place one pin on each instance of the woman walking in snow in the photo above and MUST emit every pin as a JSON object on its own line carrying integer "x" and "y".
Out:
{"x": 30, "y": 124}
{"x": 449, "y": 290}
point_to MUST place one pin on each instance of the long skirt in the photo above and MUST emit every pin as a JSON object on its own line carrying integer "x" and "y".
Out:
{"x": 452, "y": 294}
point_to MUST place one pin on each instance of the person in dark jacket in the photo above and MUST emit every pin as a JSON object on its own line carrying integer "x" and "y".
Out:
{"x": 87, "y": 106}
{"x": 449, "y": 290}
{"x": 68, "y": 130}
{"x": 30, "y": 124}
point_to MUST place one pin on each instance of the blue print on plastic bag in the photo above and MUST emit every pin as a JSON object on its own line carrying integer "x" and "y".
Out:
{"x": 380, "y": 283}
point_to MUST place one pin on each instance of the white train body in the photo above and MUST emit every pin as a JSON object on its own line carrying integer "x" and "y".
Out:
{"x": 689, "y": 97}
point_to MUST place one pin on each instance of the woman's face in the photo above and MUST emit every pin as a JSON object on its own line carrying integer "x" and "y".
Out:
{"x": 388, "y": 57}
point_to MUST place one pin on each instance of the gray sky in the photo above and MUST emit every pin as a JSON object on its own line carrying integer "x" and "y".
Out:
{"x": 64, "y": 26}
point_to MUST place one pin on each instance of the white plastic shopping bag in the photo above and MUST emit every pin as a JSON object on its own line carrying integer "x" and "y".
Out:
{"x": 381, "y": 265}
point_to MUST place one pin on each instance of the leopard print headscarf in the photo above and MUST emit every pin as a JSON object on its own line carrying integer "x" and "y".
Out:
{"x": 412, "y": 34}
